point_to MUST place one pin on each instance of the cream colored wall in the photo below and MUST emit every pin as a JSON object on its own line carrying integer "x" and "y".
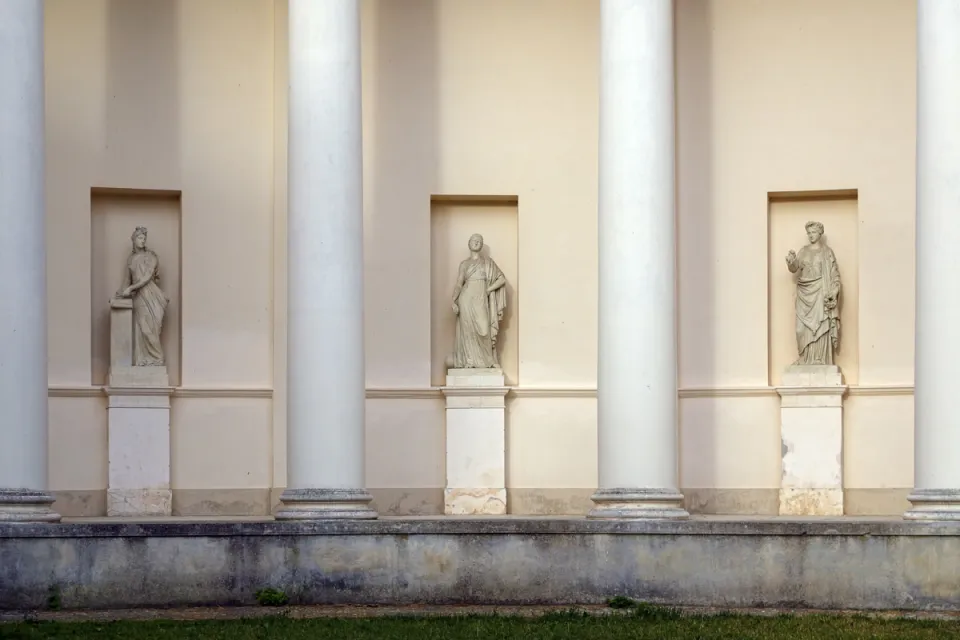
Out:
{"x": 796, "y": 96}
{"x": 174, "y": 95}
{"x": 493, "y": 98}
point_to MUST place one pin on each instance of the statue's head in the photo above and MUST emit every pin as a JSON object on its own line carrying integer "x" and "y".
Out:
{"x": 139, "y": 238}
{"x": 476, "y": 242}
{"x": 814, "y": 231}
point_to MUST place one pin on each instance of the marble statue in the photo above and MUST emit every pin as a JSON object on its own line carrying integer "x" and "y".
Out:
{"x": 479, "y": 299}
{"x": 140, "y": 282}
{"x": 818, "y": 299}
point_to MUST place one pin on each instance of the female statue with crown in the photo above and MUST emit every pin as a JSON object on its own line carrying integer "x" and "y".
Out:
{"x": 140, "y": 282}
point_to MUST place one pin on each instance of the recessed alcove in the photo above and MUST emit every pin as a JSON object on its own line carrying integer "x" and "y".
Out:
{"x": 115, "y": 213}
{"x": 453, "y": 219}
{"x": 788, "y": 213}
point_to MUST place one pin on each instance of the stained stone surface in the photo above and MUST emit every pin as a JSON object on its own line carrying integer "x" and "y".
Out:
{"x": 849, "y": 563}
{"x": 475, "y": 442}
{"x": 488, "y": 502}
{"x": 811, "y": 434}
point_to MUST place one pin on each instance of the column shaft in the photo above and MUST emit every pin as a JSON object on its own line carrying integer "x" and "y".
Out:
{"x": 637, "y": 370}
{"x": 23, "y": 285}
{"x": 325, "y": 370}
{"x": 936, "y": 495}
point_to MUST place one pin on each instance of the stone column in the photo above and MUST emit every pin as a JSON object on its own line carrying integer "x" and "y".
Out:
{"x": 936, "y": 495}
{"x": 23, "y": 286}
{"x": 325, "y": 359}
{"x": 637, "y": 369}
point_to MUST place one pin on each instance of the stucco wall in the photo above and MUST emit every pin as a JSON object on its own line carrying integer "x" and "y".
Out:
{"x": 499, "y": 98}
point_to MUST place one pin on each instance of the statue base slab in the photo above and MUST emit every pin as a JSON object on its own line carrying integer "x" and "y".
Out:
{"x": 127, "y": 377}
{"x": 138, "y": 458}
{"x": 476, "y": 442}
{"x": 811, "y": 433}
{"x": 492, "y": 377}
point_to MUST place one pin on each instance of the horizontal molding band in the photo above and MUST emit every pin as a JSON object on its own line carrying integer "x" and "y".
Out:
{"x": 424, "y": 393}
{"x": 176, "y": 392}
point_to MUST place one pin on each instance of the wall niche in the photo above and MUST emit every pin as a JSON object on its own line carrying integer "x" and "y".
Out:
{"x": 453, "y": 219}
{"x": 115, "y": 213}
{"x": 788, "y": 213}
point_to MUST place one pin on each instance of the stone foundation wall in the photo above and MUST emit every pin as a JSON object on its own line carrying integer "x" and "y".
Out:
{"x": 851, "y": 564}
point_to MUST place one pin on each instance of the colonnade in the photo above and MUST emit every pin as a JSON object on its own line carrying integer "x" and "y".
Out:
{"x": 637, "y": 372}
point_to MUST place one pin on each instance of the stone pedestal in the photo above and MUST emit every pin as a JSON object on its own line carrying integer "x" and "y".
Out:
{"x": 138, "y": 441}
{"x": 476, "y": 447}
{"x": 811, "y": 432}
{"x": 138, "y": 426}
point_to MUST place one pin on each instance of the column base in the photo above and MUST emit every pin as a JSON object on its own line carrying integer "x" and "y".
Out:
{"x": 934, "y": 504}
{"x": 26, "y": 505}
{"x": 638, "y": 504}
{"x": 325, "y": 504}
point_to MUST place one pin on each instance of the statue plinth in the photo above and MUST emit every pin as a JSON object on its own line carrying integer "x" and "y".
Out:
{"x": 811, "y": 432}
{"x": 476, "y": 442}
{"x": 138, "y": 426}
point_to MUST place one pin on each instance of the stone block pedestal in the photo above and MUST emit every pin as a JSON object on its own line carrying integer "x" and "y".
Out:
{"x": 811, "y": 432}
{"x": 476, "y": 446}
{"x": 138, "y": 426}
{"x": 138, "y": 441}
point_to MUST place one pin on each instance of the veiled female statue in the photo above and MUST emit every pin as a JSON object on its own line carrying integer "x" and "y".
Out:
{"x": 479, "y": 299}
{"x": 818, "y": 298}
{"x": 140, "y": 282}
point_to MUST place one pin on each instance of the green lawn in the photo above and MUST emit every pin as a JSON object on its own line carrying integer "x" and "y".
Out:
{"x": 647, "y": 623}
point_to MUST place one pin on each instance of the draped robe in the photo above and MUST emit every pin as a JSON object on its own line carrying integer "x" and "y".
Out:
{"x": 478, "y": 322}
{"x": 149, "y": 305}
{"x": 818, "y": 328}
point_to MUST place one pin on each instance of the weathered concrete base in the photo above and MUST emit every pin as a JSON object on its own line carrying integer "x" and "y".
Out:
{"x": 467, "y": 502}
{"x": 139, "y": 502}
{"x": 802, "y": 502}
{"x": 727, "y": 562}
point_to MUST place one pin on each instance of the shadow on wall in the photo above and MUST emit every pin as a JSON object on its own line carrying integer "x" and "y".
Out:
{"x": 142, "y": 115}
{"x": 695, "y": 218}
{"x": 140, "y": 172}
{"x": 401, "y": 158}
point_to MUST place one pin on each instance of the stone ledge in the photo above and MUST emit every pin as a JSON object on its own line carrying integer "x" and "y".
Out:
{"x": 718, "y": 562}
{"x": 502, "y": 525}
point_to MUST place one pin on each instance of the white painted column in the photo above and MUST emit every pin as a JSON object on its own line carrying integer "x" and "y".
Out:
{"x": 936, "y": 494}
{"x": 325, "y": 358}
{"x": 637, "y": 369}
{"x": 23, "y": 285}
